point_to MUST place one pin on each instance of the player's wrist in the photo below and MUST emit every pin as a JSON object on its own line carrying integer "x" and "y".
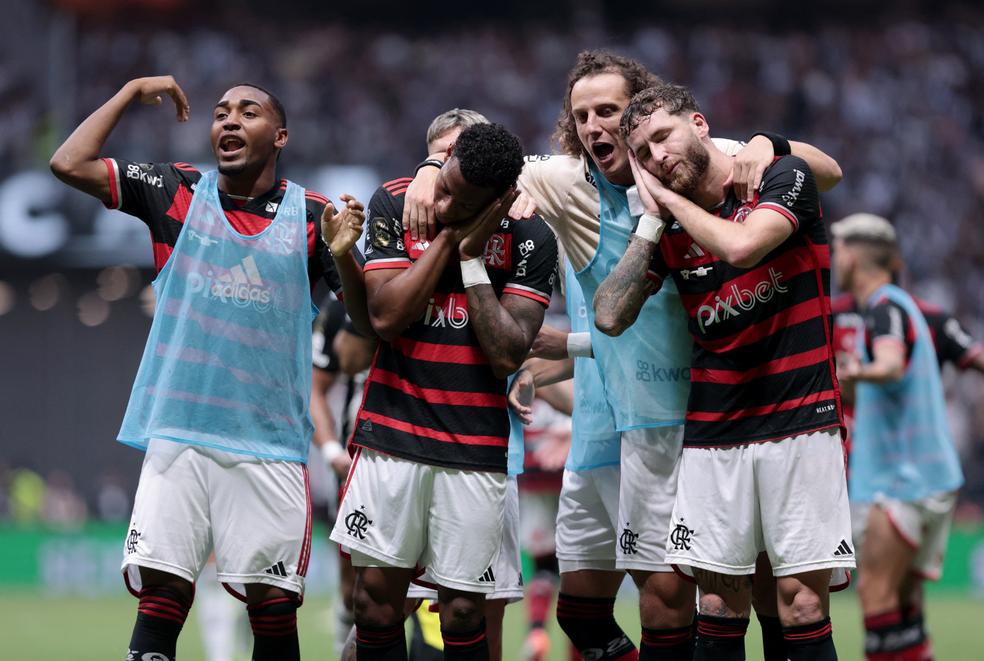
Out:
{"x": 428, "y": 163}
{"x": 473, "y": 272}
{"x": 579, "y": 345}
{"x": 331, "y": 450}
{"x": 650, "y": 227}
{"x": 780, "y": 143}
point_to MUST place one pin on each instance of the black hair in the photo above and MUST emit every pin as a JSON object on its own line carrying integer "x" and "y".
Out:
{"x": 489, "y": 156}
{"x": 274, "y": 101}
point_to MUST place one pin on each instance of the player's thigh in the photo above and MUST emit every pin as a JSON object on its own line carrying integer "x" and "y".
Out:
{"x": 384, "y": 511}
{"x": 537, "y": 521}
{"x": 170, "y": 527}
{"x": 587, "y": 514}
{"x": 261, "y": 514}
{"x": 925, "y": 525}
{"x": 464, "y": 529}
{"x": 650, "y": 465}
{"x": 802, "y": 494}
{"x": 715, "y": 524}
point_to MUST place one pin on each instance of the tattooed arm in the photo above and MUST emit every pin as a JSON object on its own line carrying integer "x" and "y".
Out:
{"x": 621, "y": 295}
{"x": 505, "y": 328}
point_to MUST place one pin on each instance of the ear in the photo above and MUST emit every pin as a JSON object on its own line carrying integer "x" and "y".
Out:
{"x": 449, "y": 151}
{"x": 280, "y": 141}
{"x": 699, "y": 122}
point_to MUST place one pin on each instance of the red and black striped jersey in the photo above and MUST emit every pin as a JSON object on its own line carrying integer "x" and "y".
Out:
{"x": 159, "y": 194}
{"x": 953, "y": 343}
{"x": 431, "y": 395}
{"x": 763, "y": 365}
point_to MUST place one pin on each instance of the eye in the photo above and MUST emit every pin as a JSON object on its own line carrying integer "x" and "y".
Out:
{"x": 249, "y": 113}
{"x": 221, "y": 115}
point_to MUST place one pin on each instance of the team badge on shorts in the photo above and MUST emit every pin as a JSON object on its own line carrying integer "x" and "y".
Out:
{"x": 628, "y": 541}
{"x": 357, "y": 523}
{"x": 132, "y": 539}
{"x": 681, "y": 537}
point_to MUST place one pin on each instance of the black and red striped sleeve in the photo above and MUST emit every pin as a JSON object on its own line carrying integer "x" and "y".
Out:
{"x": 384, "y": 247}
{"x": 789, "y": 188}
{"x": 953, "y": 343}
{"x": 534, "y": 259}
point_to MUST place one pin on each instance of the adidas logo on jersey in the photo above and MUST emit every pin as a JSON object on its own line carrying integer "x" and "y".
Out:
{"x": 277, "y": 569}
{"x": 487, "y": 577}
{"x": 843, "y": 549}
{"x": 241, "y": 285}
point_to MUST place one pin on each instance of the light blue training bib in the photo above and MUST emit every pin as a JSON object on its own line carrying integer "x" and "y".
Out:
{"x": 646, "y": 369}
{"x": 227, "y": 364}
{"x": 902, "y": 448}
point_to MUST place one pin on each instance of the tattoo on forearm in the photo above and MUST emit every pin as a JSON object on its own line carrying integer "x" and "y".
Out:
{"x": 622, "y": 294}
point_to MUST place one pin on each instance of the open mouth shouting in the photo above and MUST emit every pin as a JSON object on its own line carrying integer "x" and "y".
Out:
{"x": 231, "y": 146}
{"x": 604, "y": 153}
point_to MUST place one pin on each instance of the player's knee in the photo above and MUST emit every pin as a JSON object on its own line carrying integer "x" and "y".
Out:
{"x": 154, "y": 578}
{"x": 368, "y": 611}
{"x": 461, "y": 613}
{"x": 715, "y": 604}
{"x": 803, "y": 606}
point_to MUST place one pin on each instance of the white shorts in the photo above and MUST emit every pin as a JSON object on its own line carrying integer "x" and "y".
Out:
{"x": 538, "y": 522}
{"x": 401, "y": 513}
{"x": 924, "y": 525}
{"x": 647, "y": 492}
{"x": 587, "y": 515}
{"x": 788, "y": 498}
{"x": 508, "y": 565}
{"x": 255, "y": 513}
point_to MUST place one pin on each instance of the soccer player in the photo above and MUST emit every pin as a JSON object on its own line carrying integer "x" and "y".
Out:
{"x": 220, "y": 402}
{"x": 904, "y": 468}
{"x": 456, "y": 314}
{"x": 582, "y": 194}
{"x": 762, "y": 466}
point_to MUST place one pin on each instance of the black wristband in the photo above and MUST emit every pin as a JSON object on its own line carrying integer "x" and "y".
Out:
{"x": 429, "y": 162}
{"x": 780, "y": 144}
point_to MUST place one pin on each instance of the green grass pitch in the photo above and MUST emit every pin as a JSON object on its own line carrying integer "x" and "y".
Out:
{"x": 40, "y": 627}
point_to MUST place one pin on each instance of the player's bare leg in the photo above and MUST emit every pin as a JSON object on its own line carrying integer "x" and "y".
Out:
{"x": 343, "y": 607}
{"x": 164, "y": 603}
{"x": 463, "y": 624}
{"x": 804, "y": 610}
{"x": 725, "y": 604}
{"x": 885, "y": 562}
{"x": 585, "y": 612}
{"x": 766, "y": 605}
{"x": 378, "y": 603}
{"x": 273, "y": 619}
{"x": 495, "y": 611}
{"x": 666, "y": 611}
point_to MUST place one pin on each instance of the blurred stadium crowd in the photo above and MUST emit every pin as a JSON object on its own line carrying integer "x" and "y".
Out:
{"x": 896, "y": 101}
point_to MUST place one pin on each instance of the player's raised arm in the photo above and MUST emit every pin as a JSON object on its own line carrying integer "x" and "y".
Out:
{"x": 340, "y": 230}
{"x": 756, "y": 157}
{"x": 76, "y": 161}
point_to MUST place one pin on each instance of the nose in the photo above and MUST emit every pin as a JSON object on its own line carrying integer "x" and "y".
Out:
{"x": 593, "y": 125}
{"x": 231, "y": 122}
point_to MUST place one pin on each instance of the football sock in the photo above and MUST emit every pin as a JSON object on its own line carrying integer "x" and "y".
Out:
{"x": 274, "y": 624}
{"x": 539, "y": 594}
{"x": 590, "y": 624}
{"x": 810, "y": 642}
{"x": 887, "y": 637}
{"x": 466, "y": 645}
{"x": 915, "y": 626}
{"x": 720, "y": 638}
{"x": 160, "y": 615}
{"x": 772, "y": 643}
{"x": 380, "y": 643}
{"x": 667, "y": 644}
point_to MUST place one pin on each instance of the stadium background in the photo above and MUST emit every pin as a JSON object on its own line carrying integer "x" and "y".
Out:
{"x": 894, "y": 94}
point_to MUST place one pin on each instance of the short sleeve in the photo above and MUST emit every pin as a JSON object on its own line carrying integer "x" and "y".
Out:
{"x": 789, "y": 188}
{"x": 535, "y": 261}
{"x": 384, "y": 245}
{"x": 953, "y": 343}
{"x": 887, "y": 320}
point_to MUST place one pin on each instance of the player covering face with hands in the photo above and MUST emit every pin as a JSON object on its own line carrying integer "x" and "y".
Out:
{"x": 220, "y": 401}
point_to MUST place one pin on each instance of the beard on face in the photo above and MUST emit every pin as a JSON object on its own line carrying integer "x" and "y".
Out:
{"x": 691, "y": 170}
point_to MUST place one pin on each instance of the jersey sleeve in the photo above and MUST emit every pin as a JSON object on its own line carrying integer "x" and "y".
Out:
{"x": 535, "y": 258}
{"x": 728, "y": 146}
{"x": 149, "y": 190}
{"x": 549, "y": 180}
{"x": 789, "y": 188}
{"x": 327, "y": 324}
{"x": 886, "y": 320}
{"x": 953, "y": 343}
{"x": 384, "y": 245}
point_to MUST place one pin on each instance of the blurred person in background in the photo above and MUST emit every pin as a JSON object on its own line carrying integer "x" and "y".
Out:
{"x": 220, "y": 402}
{"x": 905, "y": 470}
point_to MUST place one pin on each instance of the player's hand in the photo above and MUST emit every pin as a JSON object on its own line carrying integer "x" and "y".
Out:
{"x": 341, "y": 230}
{"x": 750, "y": 164}
{"x": 650, "y": 188}
{"x": 550, "y": 343}
{"x": 341, "y": 464}
{"x": 523, "y": 208}
{"x": 475, "y": 233}
{"x": 151, "y": 92}
{"x": 848, "y": 369}
{"x": 418, "y": 205}
{"x": 521, "y": 395}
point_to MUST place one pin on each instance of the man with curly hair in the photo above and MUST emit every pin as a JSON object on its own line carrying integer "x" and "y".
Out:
{"x": 456, "y": 315}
